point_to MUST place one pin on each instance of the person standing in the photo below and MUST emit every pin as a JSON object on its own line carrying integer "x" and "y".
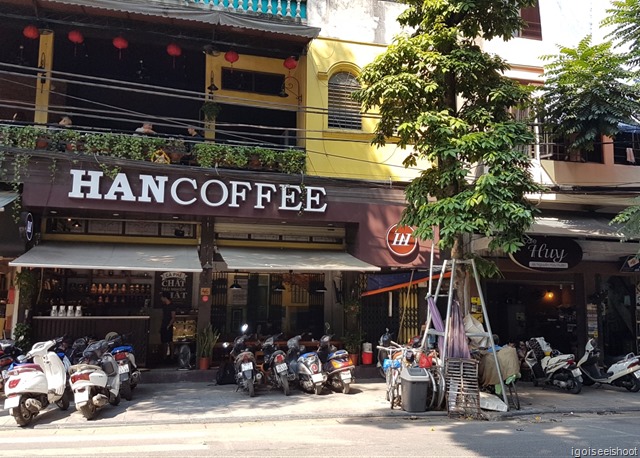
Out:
{"x": 166, "y": 328}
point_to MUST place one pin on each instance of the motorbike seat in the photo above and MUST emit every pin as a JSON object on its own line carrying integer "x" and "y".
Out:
{"x": 83, "y": 367}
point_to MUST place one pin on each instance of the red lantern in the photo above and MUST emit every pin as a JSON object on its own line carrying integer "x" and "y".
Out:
{"x": 31, "y": 32}
{"x": 174, "y": 50}
{"x": 120, "y": 43}
{"x": 290, "y": 63}
{"x": 231, "y": 57}
{"x": 75, "y": 37}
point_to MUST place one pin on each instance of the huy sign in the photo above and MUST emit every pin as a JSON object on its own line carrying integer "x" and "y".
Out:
{"x": 548, "y": 254}
{"x": 400, "y": 240}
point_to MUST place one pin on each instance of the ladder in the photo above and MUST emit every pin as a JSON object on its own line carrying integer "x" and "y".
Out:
{"x": 450, "y": 266}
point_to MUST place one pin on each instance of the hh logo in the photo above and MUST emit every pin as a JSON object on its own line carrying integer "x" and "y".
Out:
{"x": 400, "y": 240}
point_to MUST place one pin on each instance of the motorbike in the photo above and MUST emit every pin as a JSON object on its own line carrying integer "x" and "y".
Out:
{"x": 336, "y": 365}
{"x": 384, "y": 342}
{"x": 126, "y": 359}
{"x": 95, "y": 381}
{"x": 305, "y": 367}
{"x": 8, "y": 357}
{"x": 625, "y": 372}
{"x": 551, "y": 367}
{"x": 244, "y": 362}
{"x": 31, "y": 387}
{"x": 274, "y": 368}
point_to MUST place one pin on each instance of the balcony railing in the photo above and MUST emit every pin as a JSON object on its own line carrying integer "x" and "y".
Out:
{"x": 281, "y": 9}
{"x": 159, "y": 149}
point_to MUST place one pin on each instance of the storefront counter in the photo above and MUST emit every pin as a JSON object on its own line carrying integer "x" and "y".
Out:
{"x": 136, "y": 328}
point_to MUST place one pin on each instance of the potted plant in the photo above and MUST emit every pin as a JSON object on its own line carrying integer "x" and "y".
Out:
{"x": 210, "y": 111}
{"x": 206, "y": 339}
{"x": 352, "y": 343}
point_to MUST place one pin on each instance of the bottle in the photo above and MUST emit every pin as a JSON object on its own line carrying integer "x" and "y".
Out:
{"x": 94, "y": 289}
{"x": 62, "y": 311}
{"x": 70, "y": 311}
{"x": 54, "y": 310}
{"x": 78, "y": 310}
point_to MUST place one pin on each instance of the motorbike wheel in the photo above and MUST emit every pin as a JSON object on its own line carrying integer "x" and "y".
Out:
{"x": 251, "y": 388}
{"x": 576, "y": 386}
{"x": 63, "y": 402}
{"x": 634, "y": 384}
{"x": 284, "y": 382}
{"x": 22, "y": 415}
{"x": 114, "y": 400}
{"x": 89, "y": 410}
{"x": 586, "y": 381}
{"x": 317, "y": 389}
{"x": 346, "y": 387}
{"x": 125, "y": 391}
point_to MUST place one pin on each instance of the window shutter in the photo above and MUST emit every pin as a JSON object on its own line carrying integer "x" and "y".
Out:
{"x": 344, "y": 112}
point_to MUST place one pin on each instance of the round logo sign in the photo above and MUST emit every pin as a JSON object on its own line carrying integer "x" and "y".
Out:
{"x": 400, "y": 240}
{"x": 28, "y": 227}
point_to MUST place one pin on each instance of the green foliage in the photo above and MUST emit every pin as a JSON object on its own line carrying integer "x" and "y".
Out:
{"x": 22, "y": 336}
{"x": 210, "y": 110}
{"x": 416, "y": 85}
{"x": 27, "y": 283}
{"x": 588, "y": 92}
{"x": 623, "y": 18}
{"x": 353, "y": 342}
{"x": 206, "y": 339}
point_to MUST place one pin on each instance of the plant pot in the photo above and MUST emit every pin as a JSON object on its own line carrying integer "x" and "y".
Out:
{"x": 354, "y": 358}
{"x": 204, "y": 363}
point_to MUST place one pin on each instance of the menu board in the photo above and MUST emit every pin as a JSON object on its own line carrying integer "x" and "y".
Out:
{"x": 179, "y": 285}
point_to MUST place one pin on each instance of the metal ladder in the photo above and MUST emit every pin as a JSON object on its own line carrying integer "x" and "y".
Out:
{"x": 450, "y": 265}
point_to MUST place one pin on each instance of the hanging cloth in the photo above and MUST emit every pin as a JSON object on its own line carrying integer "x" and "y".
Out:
{"x": 457, "y": 346}
{"x": 630, "y": 156}
{"x": 436, "y": 319}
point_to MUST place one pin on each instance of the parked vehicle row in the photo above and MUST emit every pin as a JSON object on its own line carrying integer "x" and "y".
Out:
{"x": 311, "y": 371}
{"x": 94, "y": 373}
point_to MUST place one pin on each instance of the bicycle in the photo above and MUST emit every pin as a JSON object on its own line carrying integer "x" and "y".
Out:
{"x": 392, "y": 367}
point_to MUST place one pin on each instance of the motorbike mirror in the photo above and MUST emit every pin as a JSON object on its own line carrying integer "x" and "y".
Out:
{"x": 225, "y": 345}
{"x": 327, "y": 326}
{"x": 244, "y": 327}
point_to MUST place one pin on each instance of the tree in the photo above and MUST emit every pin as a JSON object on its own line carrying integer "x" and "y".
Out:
{"x": 588, "y": 91}
{"x": 440, "y": 94}
{"x": 624, "y": 18}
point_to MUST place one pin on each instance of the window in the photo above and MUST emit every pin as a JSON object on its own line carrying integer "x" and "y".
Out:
{"x": 344, "y": 112}
{"x": 531, "y": 16}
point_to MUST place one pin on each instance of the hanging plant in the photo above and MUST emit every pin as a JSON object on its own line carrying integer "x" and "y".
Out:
{"x": 210, "y": 111}
{"x": 27, "y": 282}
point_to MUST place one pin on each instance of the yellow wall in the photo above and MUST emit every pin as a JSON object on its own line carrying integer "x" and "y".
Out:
{"x": 338, "y": 152}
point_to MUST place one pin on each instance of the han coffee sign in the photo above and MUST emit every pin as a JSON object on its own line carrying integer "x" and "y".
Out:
{"x": 548, "y": 254}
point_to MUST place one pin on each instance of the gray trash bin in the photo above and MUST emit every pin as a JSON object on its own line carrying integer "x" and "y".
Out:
{"x": 414, "y": 383}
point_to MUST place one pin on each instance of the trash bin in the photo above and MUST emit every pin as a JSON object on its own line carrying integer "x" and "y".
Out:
{"x": 414, "y": 382}
{"x": 367, "y": 353}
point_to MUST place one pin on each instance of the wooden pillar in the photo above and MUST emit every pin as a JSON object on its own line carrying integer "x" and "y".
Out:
{"x": 207, "y": 252}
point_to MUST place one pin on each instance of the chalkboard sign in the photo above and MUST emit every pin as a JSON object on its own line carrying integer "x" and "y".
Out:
{"x": 179, "y": 285}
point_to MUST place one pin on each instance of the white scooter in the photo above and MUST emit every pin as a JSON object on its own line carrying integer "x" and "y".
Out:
{"x": 32, "y": 386}
{"x": 95, "y": 380}
{"x": 551, "y": 367}
{"x": 625, "y": 372}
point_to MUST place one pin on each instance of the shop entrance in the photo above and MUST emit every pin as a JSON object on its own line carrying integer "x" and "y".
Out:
{"x": 519, "y": 311}
{"x": 617, "y": 305}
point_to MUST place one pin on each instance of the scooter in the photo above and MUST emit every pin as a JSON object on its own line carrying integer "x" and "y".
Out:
{"x": 384, "y": 342}
{"x": 244, "y": 362}
{"x": 95, "y": 380}
{"x": 551, "y": 367}
{"x": 8, "y": 357}
{"x": 129, "y": 372}
{"x": 306, "y": 367}
{"x": 32, "y": 386}
{"x": 336, "y": 364}
{"x": 625, "y": 372}
{"x": 275, "y": 368}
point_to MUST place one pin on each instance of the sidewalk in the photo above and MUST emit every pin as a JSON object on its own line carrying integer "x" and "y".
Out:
{"x": 204, "y": 402}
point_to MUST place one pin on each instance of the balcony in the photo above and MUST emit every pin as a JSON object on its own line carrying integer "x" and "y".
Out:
{"x": 295, "y": 10}
{"x": 28, "y": 139}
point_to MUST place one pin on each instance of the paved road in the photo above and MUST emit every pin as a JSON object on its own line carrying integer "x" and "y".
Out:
{"x": 556, "y": 435}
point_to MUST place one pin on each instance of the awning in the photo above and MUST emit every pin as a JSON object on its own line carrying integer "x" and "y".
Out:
{"x": 6, "y": 197}
{"x": 199, "y": 14}
{"x": 275, "y": 260}
{"x": 382, "y": 283}
{"x": 575, "y": 226}
{"x": 116, "y": 256}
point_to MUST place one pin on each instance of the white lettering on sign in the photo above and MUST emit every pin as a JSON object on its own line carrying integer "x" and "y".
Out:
{"x": 401, "y": 239}
{"x": 542, "y": 252}
{"x": 86, "y": 184}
